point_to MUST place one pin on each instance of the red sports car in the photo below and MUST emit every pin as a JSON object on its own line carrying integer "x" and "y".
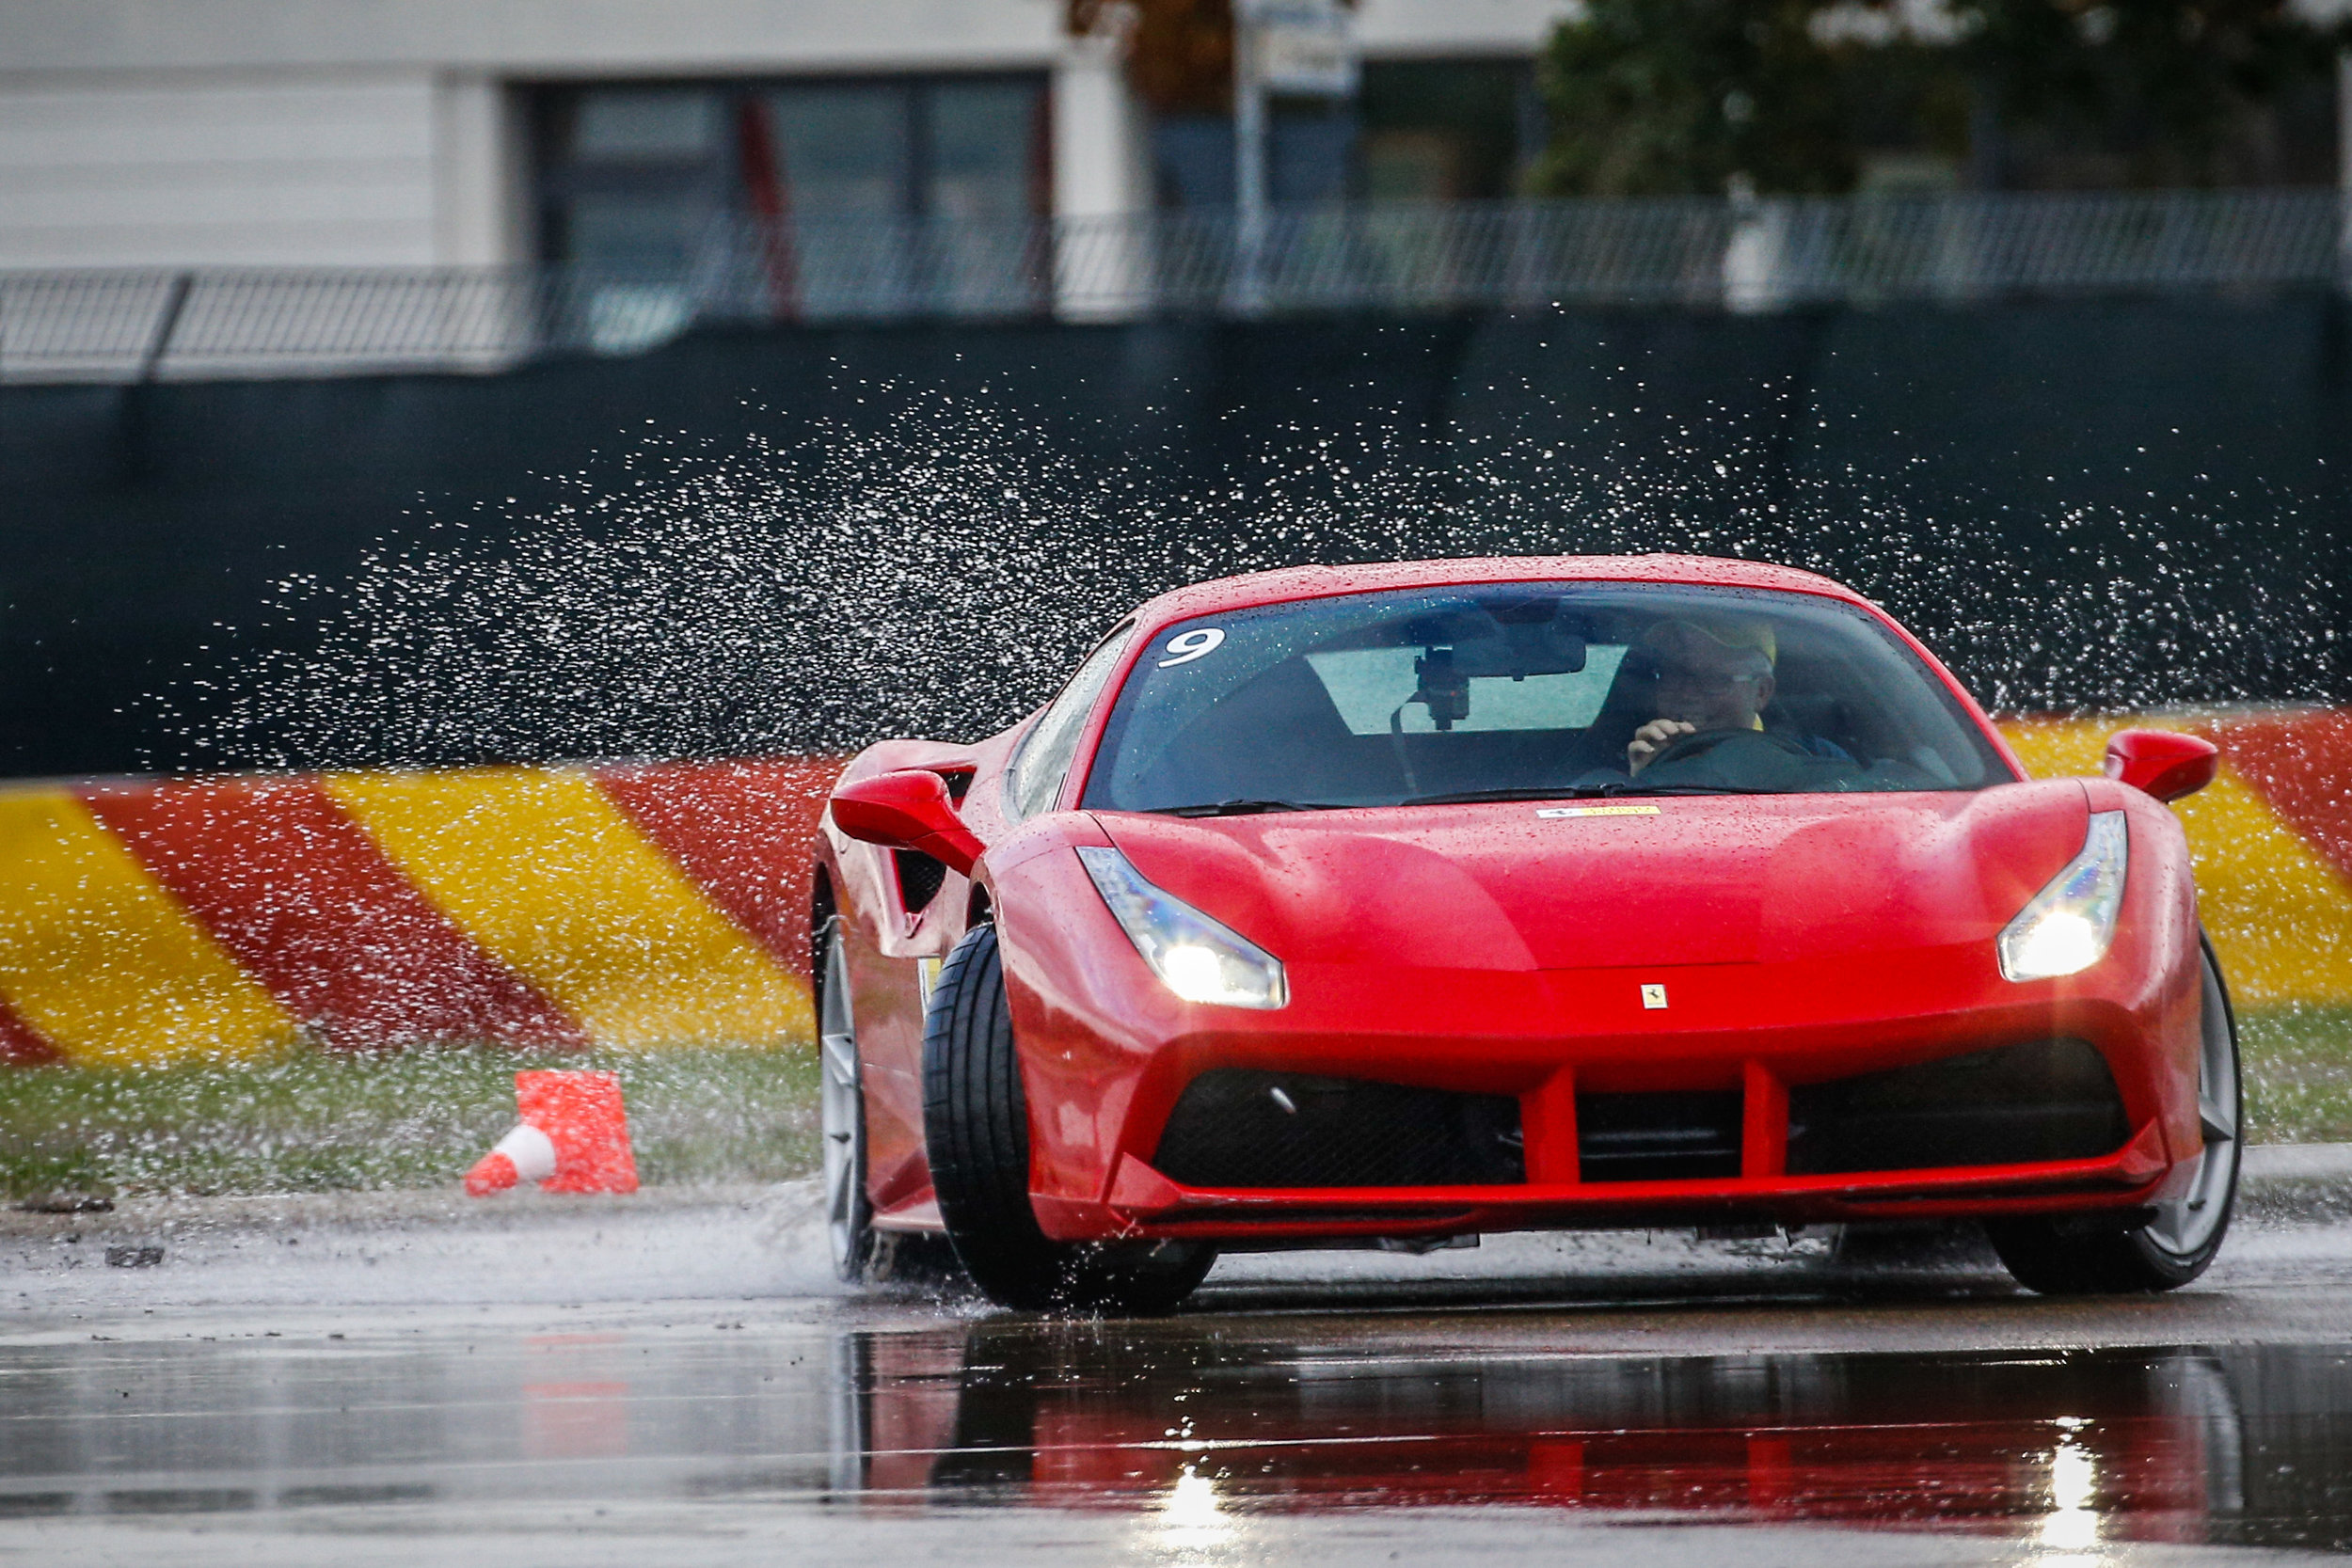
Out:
{"x": 1382, "y": 905}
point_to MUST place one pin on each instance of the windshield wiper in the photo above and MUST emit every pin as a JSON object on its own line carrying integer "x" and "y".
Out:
{"x": 1699, "y": 789}
{"x": 1521, "y": 792}
{"x": 1243, "y": 808}
{"x": 1610, "y": 788}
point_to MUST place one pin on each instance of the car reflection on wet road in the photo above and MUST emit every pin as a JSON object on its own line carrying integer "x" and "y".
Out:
{"x": 412, "y": 1383}
{"x": 1196, "y": 1420}
{"x": 2131, "y": 1445}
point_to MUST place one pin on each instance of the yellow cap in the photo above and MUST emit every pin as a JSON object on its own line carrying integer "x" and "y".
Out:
{"x": 1735, "y": 633}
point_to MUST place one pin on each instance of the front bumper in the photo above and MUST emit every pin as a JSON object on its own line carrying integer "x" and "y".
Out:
{"x": 1106, "y": 1052}
{"x": 1144, "y": 1203}
{"x": 1108, "y": 1185}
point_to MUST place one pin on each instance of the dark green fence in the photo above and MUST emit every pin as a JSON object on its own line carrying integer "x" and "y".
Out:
{"x": 796, "y": 537}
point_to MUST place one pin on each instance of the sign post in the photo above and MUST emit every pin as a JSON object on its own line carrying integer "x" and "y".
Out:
{"x": 1297, "y": 48}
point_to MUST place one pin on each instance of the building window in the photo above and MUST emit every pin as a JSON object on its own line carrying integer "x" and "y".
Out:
{"x": 1308, "y": 151}
{"x": 1446, "y": 130}
{"x": 638, "y": 177}
{"x": 1416, "y": 131}
{"x": 816, "y": 197}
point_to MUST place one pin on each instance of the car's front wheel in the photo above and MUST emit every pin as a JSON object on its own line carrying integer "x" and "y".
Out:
{"x": 2057, "y": 1256}
{"x": 975, "y": 1128}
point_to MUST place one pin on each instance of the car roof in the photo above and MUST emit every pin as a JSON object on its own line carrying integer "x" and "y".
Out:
{"x": 1314, "y": 583}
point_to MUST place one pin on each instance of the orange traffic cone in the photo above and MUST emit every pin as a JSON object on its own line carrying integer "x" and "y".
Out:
{"x": 573, "y": 1138}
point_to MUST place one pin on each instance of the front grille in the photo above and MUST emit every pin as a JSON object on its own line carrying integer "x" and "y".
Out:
{"x": 1686, "y": 1136}
{"x": 1232, "y": 1127}
{"x": 2021, "y": 1104}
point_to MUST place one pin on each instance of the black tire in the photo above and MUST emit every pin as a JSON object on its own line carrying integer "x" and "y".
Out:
{"x": 975, "y": 1128}
{"x": 2076, "y": 1256}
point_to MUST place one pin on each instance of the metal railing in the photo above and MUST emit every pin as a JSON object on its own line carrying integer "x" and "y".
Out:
{"x": 1753, "y": 256}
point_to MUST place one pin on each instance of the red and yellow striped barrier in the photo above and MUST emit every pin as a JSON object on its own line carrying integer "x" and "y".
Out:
{"x": 143, "y": 924}
{"x": 225, "y": 919}
{"x": 2272, "y": 836}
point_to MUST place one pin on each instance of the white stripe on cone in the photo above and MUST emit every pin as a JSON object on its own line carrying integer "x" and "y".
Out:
{"x": 526, "y": 1154}
{"x": 532, "y": 1151}
{"x": 574, "y": 1137}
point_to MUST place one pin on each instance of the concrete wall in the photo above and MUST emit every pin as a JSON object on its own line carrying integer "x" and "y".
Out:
{"x": 315, "y": 167}
{"x": 527, "y": 38}
{"x": 153, "y": 923}
{"x": 146, "y": 924}
{"x": 331, "y": 133}
{"x": 644, "y": 36}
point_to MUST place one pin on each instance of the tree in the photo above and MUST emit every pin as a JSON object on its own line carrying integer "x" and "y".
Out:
{"x": 1680, "y": 97}
{"x": 1691, "y": 96}
{"x": 2152, "y": 92}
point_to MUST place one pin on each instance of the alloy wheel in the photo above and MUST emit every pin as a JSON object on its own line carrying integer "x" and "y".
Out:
{"x": 842, "y": 1119}
{"x": 2183, "y": 1224}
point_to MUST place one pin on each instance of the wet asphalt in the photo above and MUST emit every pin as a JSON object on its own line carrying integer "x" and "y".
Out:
{"x": 673, "y": 1378}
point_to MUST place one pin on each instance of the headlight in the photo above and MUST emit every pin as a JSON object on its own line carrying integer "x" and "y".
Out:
{"x": 2068, "y": 925}
{"x": 1195, "y": 957}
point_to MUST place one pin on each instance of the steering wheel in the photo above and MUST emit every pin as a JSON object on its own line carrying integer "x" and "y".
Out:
{"x": 1689, "y": 747}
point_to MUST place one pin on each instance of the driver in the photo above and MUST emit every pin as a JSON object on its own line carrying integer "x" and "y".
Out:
{"x": 1710, "y": 675}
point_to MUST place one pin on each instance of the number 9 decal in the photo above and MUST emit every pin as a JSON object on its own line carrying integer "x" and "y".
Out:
{"x": 1188, "y": 646}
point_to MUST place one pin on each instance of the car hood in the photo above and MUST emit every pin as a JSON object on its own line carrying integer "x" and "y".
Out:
{"x": 1692, "y": 880}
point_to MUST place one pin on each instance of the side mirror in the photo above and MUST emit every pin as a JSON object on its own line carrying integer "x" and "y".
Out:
{"x": 910, "y": 809}
{"x": 2167, "y": 766}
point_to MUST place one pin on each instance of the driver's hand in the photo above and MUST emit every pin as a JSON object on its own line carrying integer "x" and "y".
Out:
{"x": 1653, "y": 738}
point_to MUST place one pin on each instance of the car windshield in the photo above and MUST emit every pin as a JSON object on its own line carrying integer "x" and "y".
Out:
{"x": 1528, "y": 690}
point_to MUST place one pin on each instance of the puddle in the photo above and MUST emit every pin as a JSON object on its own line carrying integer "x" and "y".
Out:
{"x": 1194, "y": 1421}
{"x": 2242, "y": 1445}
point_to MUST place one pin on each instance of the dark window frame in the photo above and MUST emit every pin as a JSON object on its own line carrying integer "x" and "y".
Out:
{"x": 558, "y": 177}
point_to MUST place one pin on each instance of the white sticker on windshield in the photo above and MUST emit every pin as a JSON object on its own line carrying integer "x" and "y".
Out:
{"x": 1188, "y": 646}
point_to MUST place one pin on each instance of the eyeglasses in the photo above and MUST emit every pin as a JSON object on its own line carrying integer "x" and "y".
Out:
{"x": 1676, "y": 674}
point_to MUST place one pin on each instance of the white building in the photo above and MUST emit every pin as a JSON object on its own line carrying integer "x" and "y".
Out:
{"x": 177, "y": 133}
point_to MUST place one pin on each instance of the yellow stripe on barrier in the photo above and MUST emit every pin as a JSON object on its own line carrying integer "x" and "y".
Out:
{"x": 2061, "y": 748}
{"x": 543, "y": 870}
{"x": 2280, "y": 915}
{"x": 107, "y": 964}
